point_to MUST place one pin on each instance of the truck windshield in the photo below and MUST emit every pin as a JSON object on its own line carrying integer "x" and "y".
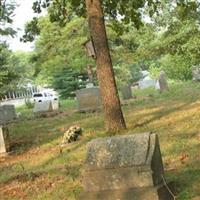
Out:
{"x": 37, "y": 95}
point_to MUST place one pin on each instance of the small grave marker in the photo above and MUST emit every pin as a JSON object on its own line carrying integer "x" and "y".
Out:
{"x": 126, "y": 92}
{"x": 163, "y": 85}
{"x": 89, "y": 99}
{"x": 46, "y": 106}
{"x": 4, "y": 140}
{"x": 7, "y": 114}
{"x": 196, "y": 73}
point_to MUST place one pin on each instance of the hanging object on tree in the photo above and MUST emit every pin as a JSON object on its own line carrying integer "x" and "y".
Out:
{"x": 89, "y": 48}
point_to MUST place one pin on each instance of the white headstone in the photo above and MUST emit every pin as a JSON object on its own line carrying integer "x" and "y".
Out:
{"x": 4, "y": 140}
{"x": 157, "y": 86}
{"x": 45, "y": 106}
{"x": 55, "y": 105}
{"x": 196, "y": 73}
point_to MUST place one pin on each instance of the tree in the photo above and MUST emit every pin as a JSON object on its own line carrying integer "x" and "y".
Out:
{"x": 67, "y": 81}
{"x": 176, "y": 43}
{"x": 130, "y": 11}
{"x": 8, "y": 74}
{"x": 59, "y": 58}
{"x": 113, "y": 114}
{"x": 6, "y": 13}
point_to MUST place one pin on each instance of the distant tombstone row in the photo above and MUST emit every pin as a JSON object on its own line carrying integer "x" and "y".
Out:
{"x": 4, "y": 140}
{"x": 46, "y": 106}
{"x": 7, "y": 114}
{"x": 89, "y": 99}
{"x": 126, "y": 168}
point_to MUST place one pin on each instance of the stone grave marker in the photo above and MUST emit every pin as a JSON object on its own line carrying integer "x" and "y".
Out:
{"x": 46, "y": 106}
{"x": 163, "y": 85}
{"x": 4, "y": 140}
{"x": 7, "y": 113}
{"x": 196, "y": 73}
{"x": 89, "y": 99}
{"x": 126, "y": 92}
{"x": 55, "y": 105}
{"x": 125, "y": 168}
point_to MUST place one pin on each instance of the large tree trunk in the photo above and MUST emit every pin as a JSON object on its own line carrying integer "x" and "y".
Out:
{"x": 114, "y": 119}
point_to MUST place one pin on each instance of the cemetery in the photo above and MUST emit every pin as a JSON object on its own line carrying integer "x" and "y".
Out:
{"x": 99, "y": 100}
{"x": 40, "y": 167}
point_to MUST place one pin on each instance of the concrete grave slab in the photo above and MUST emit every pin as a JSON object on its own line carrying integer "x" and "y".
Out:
{"x": 127, "y": 166}
{"x": 142, "y": 193}
{"x": 4, "y": 140}
{"x": 46, "y": 106}
{"x": 7, "y": 114}
{"x": 89, "y": 99}
{"x": 163, "y": 82}
{"x": 55, "y": 105}
{"x": 126, "y": 92}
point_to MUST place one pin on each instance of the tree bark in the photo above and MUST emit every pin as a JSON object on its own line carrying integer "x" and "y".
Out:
{"x": 113, "y": 116}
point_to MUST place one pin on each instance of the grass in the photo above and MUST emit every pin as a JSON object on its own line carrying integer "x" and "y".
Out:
{"x": 39, "y": 170}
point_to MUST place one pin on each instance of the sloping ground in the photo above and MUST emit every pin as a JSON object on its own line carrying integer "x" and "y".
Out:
{"x": 40, "y": 170}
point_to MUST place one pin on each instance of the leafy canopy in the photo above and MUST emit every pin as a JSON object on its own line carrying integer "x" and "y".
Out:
{"x": 6, "y": 14}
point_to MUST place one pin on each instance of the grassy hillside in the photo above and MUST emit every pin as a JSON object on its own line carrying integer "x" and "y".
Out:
{"x": 39, "y": 170}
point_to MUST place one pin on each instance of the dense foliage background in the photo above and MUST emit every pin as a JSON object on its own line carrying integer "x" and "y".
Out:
{"x": 168, "y": 40}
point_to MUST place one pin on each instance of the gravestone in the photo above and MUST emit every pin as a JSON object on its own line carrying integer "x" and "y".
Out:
{"x": 126, "y": 92}
{"x": 55, "y": 105}
{"x": 126, "y": 168}
{"x": 4, "y": 140}
{"x": 46, "y": 106}
{"x": 89, "y": 99}
{"x": 163, "y": 85}
{"x": 7, "y": 113}
{"x": 196, "y": 73}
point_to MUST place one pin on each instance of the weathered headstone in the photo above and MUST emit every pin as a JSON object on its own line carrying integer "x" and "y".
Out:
{"x": 157, "y": 86}
{"x": 89, "y": 99}
{"x": 4, "y": 140}
{"x": 45, "y": 106}
{"x": 126, "y": 92}
{"x": 163, "y": 82}
{"x": 126, "y": 168}
{"x": 90, "y": 73}
{"x": 7, "y": 113}
{"x": 55, "y": 105}
{"x": 196, "y": 73}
